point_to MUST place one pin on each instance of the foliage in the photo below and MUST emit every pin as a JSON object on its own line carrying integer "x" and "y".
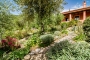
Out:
{"x": 10, "y": 43}
{"x": 6, "y": 18}
{"x": 86, "y": 28}
{"x": 57, "y": 33}
{"x": 33, "y": 40}
{"x": 64, "y": 32}
{"x": 64, "y": 25}
{"x": 73, "y": 23}
{"x": 21, "y": 33}
{"x": 46, "y": 39}
{"x": 16, "y": 54}
{"x": 59, "y": 19}
{"x": 43, "y": 9}
{"x": 52, "y": 29}
{"x": 67, "y": 51}
{"x": 80, "y": 37}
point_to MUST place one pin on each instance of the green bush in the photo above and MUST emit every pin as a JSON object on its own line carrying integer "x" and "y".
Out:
{"x": 57, "y": 33}
{"x": 33, "y": 40}
{"x": 80, "y": 37}
{"x": 52, "y": 29}
{"x": 58, "y": 27}
{"x": 64, "y": 32}
{"x": 86, "y": 28}
{"x": 67, "y": 51}
{"x": 46, "y": 40}
{"x": 64, "y": 25}
{"x": 73, "y": 23}
{"x": 16, "y": 54}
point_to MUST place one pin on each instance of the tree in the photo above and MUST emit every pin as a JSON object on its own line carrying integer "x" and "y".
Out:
{"x": 6, "y": 18}
{"x": 43, "y": 8}
{"x": 86, "y": 29}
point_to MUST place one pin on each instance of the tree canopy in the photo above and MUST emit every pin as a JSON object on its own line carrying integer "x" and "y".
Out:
{"x": 43, "y": 9}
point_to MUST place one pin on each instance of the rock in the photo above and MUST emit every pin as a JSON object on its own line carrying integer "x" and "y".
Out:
{"x": 56, "y": 37}
{"x": 42, "y": 51}
{"x": 39, "y": 57}
{"x": 44, "y": 57}
{"x": 27, "y": 57}
{"x": 33, "y": 57}
{"x": 32, "y": 53}
{"x": 37, "y": 50}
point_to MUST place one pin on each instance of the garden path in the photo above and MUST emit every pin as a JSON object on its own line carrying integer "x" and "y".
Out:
{"x": 39, "y": 53}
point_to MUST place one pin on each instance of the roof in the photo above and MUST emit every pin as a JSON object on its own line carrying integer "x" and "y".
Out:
{"x": 77, "y": 10}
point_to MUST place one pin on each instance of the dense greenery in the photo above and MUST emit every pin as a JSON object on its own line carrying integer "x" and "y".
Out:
{"x": 86, "y": 28}
{"x": 67, "y": 51}
{"x": 39, "y": 25}
{"x": 14, "y": 55}
{"x": 7, "y": 20}
{"x": 43, "y": 9}
{"x": 46, "y": 40}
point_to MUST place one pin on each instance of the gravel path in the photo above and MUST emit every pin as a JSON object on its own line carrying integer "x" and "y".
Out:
{"x": 69, "y": 37}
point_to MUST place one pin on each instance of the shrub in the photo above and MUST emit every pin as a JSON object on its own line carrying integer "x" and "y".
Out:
{"x": 52, "y": 29}
{"x": 80, "y": 37}
{"x": 46, "y": 40}
{"x": 72, "y": 23}
{"x": 58, "y": 27}
{"x": 21, "y": 34}
{"x": 10, "y": 43}
{"x": 64, "y": 25}
{"x": 67, "y": 51}
{"x": 17, "y": 54}
{"x": 86, "y": 28}
{"x": 33, "y": 40}
{"x": 64, "y": 32}
{"x": 57, "y": 33}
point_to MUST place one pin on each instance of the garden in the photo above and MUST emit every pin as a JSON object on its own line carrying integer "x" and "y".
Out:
{"x": 39, "y": 32}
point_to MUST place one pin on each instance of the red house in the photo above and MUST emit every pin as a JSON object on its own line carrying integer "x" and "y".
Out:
{"x": 78, "y": 14}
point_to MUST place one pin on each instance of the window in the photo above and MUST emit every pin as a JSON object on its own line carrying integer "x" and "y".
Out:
{"x": 66, "y": 19}
{"x": 76, "y": 17}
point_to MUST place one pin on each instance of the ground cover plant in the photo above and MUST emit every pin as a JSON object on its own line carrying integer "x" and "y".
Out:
{"x": 67, "y": 51}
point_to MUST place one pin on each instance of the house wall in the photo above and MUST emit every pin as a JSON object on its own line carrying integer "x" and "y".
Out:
{"x": 80, "y": 14}
{"x": 88, "y": 13}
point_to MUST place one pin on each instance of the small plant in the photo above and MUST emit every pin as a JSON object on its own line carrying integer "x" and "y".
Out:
{"x": 10, "y": 42}
{"x": 52, "y": 29}
{"x": 57, "y": 33}
{"x": 80, "y": 37}
{"x": 33, "y": 40}
{"x": 86, "y": 28}
{"x": 17, "y": 54}
{"x": 73, "y": 23}
{"x": 64, "y": 25}
{"x": 64, "y": 32}
{"x": 46, "y": 40}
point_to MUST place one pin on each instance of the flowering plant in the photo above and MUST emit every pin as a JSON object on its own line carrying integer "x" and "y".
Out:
{"x": 10, "y": 42}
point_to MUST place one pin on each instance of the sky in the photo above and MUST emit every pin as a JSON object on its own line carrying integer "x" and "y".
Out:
{"x": 71, "y": 5}
{"x": 74, "y": 4}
